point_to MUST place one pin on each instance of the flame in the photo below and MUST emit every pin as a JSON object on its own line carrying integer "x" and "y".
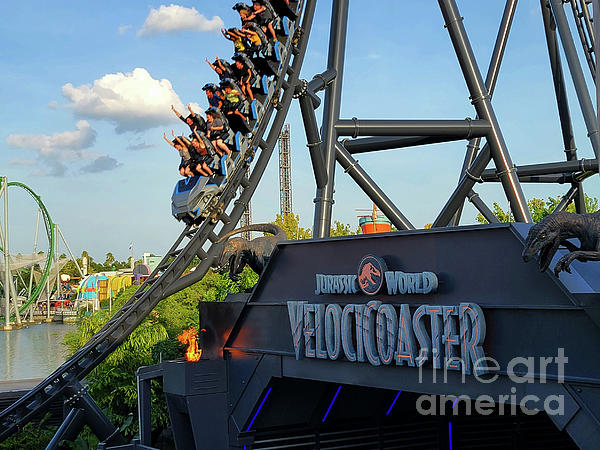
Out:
{"x": 189, "y": 337}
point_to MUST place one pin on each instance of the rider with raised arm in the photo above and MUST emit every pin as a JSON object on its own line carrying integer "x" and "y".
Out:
{"x": 217, "y": 132}
{"x": 223, "y": 68}
{"x": 186, "y": 159}
{"x": 235, "y": 36}
{"x": 194, "y": 121}
{"x": 262, "y": 15}
{"x": 201, "y": 155}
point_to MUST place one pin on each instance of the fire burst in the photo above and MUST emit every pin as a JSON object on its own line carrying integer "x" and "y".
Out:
{"x": 189, "y": 337}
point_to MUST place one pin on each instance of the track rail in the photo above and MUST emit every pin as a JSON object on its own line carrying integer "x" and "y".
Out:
{"x": 181, "y": 253}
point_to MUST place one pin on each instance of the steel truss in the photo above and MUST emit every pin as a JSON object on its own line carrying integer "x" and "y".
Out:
{"x": 374, "y": 135}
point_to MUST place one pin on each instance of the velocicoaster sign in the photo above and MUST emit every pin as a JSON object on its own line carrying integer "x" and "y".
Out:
{"x": 381, "y": 333}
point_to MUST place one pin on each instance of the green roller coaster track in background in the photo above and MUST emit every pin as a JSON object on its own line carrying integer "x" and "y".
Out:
{"x": 51, "y": 239}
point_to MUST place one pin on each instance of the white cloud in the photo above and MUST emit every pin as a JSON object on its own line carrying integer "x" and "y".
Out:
{"x": 140, "y": 146}
{"x": 101, "y": 164}
{"x": 55, "y": 151}
{"x": 123, "y": 29}
{"x": 68, "y": 144}
{"x": 175, "y": 18}
{"x": 53, "y": 104}
{"x": 133, "y": 101}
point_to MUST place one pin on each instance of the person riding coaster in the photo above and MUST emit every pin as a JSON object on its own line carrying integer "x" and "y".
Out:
{"x": 221, "y": 67}
{"x": 193, "y": 120}
{"x": 198, "y": 157}
{"x": 261, "y": 13}
{"x": 240, "y": 41}
{"x": 234, "y": 102}
{"x": 186, "y": 158}
{"x": 214, "y": 95}
{"x": 245, "y": 74}
{"x": 218, "y": 130}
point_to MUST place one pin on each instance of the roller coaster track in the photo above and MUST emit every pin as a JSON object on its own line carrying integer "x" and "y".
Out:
{"x": 51, "y": 241}
{"x": 64, "y": 382}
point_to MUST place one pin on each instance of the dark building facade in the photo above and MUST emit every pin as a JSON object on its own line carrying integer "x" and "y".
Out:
{"x": 421, "y": 339}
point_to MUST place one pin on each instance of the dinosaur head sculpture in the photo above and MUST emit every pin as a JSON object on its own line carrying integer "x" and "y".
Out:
{"x": 230, "y": 251}
{"x": 544, "y": 237}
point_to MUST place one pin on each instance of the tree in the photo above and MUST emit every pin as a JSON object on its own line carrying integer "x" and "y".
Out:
{"x": 540, "y": 209}
{"x": 291, "y": 225}
{"x": 340, "y": 229}
{"x": 109, "y": 261}
{"x": 113, "y": 383}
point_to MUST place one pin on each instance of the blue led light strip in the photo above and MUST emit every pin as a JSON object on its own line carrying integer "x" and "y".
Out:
{"x": 332, "y": 402}
{"x": 454, "y": 403}
{"x": 258, "y": 410}
{"x": 450, "y": 434}
{"x": 393, "y": 403}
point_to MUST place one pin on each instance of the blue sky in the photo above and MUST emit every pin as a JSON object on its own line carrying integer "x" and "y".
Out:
{"x": 84, "y": 93}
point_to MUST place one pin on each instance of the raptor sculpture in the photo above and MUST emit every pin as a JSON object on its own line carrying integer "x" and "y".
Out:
{"x": 554, "y": 230}
{"x": 256, "y": 253}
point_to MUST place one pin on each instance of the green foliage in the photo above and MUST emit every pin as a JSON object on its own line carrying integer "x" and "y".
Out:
{"x": 113, "y": 382}
{"x": 291, "y": 225}
{"x": 540, "y": 208}
{"x": 33, "y": 436}
{"x": 340, "y": 229}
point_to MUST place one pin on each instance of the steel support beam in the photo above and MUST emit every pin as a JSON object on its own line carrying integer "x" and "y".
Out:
{"x": 486, "y": 212}
{"x": 466, "y": 183}
{"x": 490, "y": 83}
{"x": 585, "y": 102}
{"x": 482, "y": 103}
{"x": 372, "y": 144}
{"x": 555, "y": 178}
{"x": 562, "y": 101}
{"x": 331, "y": 114}
{"x": 464, "y": 129}
{"x": 69, "y": 429}
{"x": 566, "y": 199}
{"x": 306, "y": 92}
{"x": 581, "y": 30}
{"x": 580, "y": 165}
{"x": 366, "y": 183}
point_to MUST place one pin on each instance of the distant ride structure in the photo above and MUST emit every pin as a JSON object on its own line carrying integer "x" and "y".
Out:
{"x": 28, "y": 279}
{"x": 17, "y": 303}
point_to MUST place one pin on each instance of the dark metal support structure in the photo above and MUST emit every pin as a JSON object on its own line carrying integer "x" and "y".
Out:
{"x": 482, "y": 103}
{"x": 466, "y": 183}
{"x": 486, "y": 212}
{"x": 374, "y": 192}
{"x": 585, "y": 102}
{"x": 372, "y": 144}
{"x": 442, "y": 128}
{"x": 306, "y": 93}
{"x": 581, "y": 165}
{"x": 331, "y": 113}
{"x": 561, "y": 97}
{"x": 490, "y": 83}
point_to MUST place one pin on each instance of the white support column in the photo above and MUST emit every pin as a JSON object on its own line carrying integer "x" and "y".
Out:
{"x": 4, "y": 191}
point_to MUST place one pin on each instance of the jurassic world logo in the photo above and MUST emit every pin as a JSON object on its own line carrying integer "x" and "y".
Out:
{"x": 372, "y": 275}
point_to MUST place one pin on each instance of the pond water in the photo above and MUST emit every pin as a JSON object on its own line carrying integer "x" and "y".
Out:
{"x": 32, "y": 352}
